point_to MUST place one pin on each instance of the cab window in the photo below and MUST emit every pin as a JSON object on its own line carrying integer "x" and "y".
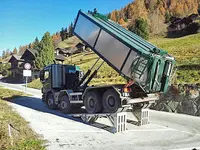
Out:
{"x": 46, "y": 74}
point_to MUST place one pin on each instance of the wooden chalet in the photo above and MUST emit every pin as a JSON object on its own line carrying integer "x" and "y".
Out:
{"x": 29, "y": 56}
{"x": 65, "y": 51}
{"x": 16, "y": 66}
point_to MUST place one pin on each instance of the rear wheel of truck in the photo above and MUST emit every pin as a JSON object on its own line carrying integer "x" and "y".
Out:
{"x": 92, "y": 102}
{"x": 50, "y": 101}
{"x": 111, "y": 101}
{"x": 65, "y": 105}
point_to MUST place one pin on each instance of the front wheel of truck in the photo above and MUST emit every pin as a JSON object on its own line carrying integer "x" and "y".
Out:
{"x": 65, "y": 105}
{"x": 50, "y": 101}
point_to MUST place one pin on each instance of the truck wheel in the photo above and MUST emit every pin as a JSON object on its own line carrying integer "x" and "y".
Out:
{"x": 92, "y": 102}
{"x": 65, "y": 105}
{"x": 111, "y": 101}
{"x": 50, "y": 101}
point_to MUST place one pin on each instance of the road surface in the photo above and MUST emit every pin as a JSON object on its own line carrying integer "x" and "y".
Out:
{"x": 165, "y": 131}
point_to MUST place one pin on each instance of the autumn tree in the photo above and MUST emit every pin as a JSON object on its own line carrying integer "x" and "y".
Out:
{"x": 8, "y": 53}
{"x": 14, "y": 51}
{"x": 121, "y": 21}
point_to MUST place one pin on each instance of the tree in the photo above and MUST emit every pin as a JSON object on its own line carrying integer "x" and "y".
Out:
{"x": 15, "y": 51}
{"x": 167, "y": 17}
{"x": 36, "y": 44}
{"x": 121, "y": 21}
{"x": 7, "y": 53}
{"x": 70, "y": 30}
{"x": 30, "y": 45}
{"x": 46, "y": 52}
{"x": 140, "y": 28}
{"x": 4, "y": 54}
{"x": 62, "y": 34}
{"x": 109, "y": 15}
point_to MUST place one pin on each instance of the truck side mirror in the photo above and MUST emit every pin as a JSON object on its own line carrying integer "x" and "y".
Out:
{"x": 42, "y": 75}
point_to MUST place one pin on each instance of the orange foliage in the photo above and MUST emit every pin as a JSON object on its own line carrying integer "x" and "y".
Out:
{"x": 121, "y": 21}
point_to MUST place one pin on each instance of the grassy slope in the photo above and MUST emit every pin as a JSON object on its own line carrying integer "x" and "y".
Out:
{"x": 186, "y": 50}
{"x": 26, "y": 139}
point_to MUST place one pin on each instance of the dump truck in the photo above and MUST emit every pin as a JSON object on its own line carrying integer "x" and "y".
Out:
{"x": 146, "y": 68}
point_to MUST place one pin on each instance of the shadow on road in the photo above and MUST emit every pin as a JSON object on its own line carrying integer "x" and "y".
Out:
{"x": 37, "y": 104}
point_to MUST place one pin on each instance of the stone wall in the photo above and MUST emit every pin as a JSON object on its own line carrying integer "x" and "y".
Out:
{"x": 183, "y": 99}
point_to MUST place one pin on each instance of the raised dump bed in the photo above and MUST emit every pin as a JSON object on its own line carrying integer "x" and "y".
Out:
{"x": 130, "y": 55}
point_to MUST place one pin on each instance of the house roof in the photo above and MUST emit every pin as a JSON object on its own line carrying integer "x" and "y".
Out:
{"x": 80, "y": 44}
{"x": 18, "y": 58}
{"x": 29, "y": 51}
{"x": 59, "y": 57}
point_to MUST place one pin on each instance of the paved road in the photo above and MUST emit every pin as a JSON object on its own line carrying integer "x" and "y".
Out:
{"x": 165, "y": 131}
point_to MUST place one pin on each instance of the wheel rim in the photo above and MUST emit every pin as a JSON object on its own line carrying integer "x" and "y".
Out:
{"x": 111, "y": 101}
{"x": 91, "y": 103}
{"x": 63, "y": 105}
{"x": 50, "y": 100}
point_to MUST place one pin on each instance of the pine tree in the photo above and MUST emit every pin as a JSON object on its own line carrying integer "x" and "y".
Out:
{"x": 70, "y": 30}
{"x": 15, "y": 51}
{"x": 4, "y": 54}
{"x": 140, "y": 28}
{"x": 36, "y": 44}
{"x": 62, "y": 34}
{"x": 66, "y": 34}
{"x": 46, "y": 52}
{"x": 109, "y": 15}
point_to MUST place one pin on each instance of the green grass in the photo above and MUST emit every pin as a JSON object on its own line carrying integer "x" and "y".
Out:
{"x": 70, "y": 42}
{"x": 36, "y": 84}
{"x": 23, "y": 138}
{"x": 186, "y": 51}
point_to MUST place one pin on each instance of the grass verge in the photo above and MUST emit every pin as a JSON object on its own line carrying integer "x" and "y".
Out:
{"x": 22, "y": 136}
{"x": 36, "y": 84}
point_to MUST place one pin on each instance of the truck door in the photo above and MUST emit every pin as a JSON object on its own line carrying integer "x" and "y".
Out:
{"x": 166, "y": 75}
{"x": 47, "y": 79}
{"x": 156, "y": 82}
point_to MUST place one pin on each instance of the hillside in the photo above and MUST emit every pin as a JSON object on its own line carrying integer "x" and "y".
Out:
{"x": 156, "y": 12}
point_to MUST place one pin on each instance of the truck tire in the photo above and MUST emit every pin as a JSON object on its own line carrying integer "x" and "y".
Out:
{"x": 65, "y": 105}
{"x": 111, "y": 101}
{"x": 50, "y": 101}
{"x": 92, "y": 102}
